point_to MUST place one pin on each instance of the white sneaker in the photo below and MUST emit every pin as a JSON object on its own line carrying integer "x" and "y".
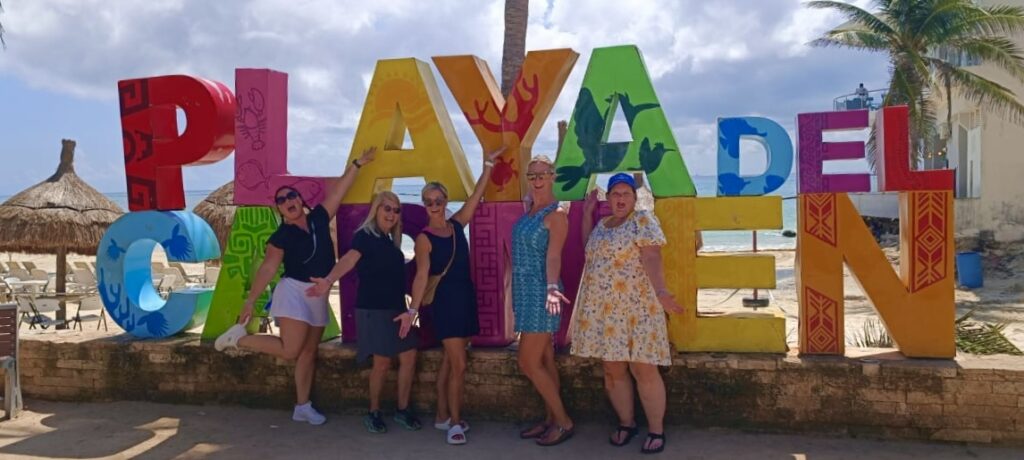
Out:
{"x": 445, "y": 425}
{"x": 229, "y": 339}
{"x": 306, "y": 413}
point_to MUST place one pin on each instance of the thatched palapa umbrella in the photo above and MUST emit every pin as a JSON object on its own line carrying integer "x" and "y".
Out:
{"x": 218, "y": 210}
{"x": 59, "y": 215}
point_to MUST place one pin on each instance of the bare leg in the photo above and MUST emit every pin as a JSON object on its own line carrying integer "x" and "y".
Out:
{"x": 652, "y": 395}
{"x": 552, "y": 370}
{"x": 455, "y": 350}
{"x": 406, "y": 372}
{"x": 619, "y": 386}
{"x": 287, "y": 346}
{"x": 442, "y": 389}
{"x": 531, "y": 362}
{"x": 305, "y": 365}
{"x": 381, "y": 364}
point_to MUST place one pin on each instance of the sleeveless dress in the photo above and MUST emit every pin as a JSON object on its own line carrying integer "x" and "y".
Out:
{"x": 454, "y": 307}
{"x": 529, "y": 274}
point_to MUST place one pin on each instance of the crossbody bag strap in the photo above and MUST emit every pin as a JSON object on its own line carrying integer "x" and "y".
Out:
{"x": 452, "y": 260}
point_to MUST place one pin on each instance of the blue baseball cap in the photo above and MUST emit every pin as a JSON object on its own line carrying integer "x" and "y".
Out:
{"x": 622, "y": 178}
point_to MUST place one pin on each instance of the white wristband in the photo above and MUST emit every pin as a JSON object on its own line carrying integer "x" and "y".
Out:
{"x": 552, "y": 286}
{"x": 488, "y": 164}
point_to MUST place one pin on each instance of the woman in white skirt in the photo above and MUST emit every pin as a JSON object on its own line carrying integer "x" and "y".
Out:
{"x": 303, "y": 243}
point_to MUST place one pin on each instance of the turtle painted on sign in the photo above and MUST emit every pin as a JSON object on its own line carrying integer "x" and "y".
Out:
{"x": 504, "y": 172}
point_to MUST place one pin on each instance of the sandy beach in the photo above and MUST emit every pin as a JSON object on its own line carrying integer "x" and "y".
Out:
{"x": 1000, "y": 300}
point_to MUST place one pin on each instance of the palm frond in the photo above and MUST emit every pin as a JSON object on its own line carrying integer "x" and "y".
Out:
{"x": 984, "y": 92}
{"x": 851, "y": 38}
{"x": 854, "y": 14}
{"x": 1000, "y": 51}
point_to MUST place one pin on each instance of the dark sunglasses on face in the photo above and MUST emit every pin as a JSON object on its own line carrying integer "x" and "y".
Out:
{"x": 281, "y": 199}
{"x": 535, "y": 176}
{"x": 431, "y": 203}
{"x": 391, "y": 209}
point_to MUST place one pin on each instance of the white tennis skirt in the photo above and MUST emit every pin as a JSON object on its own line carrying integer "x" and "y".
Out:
{"x": 290, "y": 301}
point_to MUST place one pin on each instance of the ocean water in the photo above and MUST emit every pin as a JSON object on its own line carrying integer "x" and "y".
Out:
{"x": 706, "y": 186}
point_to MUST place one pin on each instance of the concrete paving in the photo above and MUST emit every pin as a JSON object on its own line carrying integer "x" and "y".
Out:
{"x": 139, "y": 430}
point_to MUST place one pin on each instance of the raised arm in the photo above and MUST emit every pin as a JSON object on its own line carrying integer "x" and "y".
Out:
{"x": 419, "y": 283}
{"x": 345, "y": 264}
{"x": 558, "y": 229}
{"x": 650, "y": 257}
{"x": 588, "y": 216}
{"x": 465, "y": 213}
{"x": 271, "y": 261}
{"x": 337, "y": 190}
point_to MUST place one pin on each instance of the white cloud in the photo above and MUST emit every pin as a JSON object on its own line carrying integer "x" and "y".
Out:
{"x": 706, "y": 58}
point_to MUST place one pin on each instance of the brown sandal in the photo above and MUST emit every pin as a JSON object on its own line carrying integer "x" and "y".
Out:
{"x": 563, "y": 435}
{"x": 535, "y": 431}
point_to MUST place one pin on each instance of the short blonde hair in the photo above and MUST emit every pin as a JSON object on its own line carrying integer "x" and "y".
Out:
{"x": 370, "y": 224}
{"x": 434, "y": 186}
{"x": 542, "y": 159}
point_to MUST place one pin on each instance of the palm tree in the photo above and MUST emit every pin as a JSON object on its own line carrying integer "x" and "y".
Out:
{"x": 2, "y": 42}
{"x": 516, "y": 14}
{"x": 923, "y": 38}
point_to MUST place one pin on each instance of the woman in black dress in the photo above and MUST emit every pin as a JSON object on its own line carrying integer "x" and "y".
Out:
{"x": 381, "y": 315}
{"x": 442, "y": 249}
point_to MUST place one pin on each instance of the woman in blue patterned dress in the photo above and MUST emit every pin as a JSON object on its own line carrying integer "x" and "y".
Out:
{"x": 537, "y": 241}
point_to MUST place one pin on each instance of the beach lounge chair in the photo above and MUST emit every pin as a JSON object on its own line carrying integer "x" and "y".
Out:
{"x": 12, "y": 266}
{"x": 39, "y": 275}
{"x": 3, "y": 268}
{"x": 20, "y": 273}
{"x": 167, "y": 283}
{"x": 84, "y": 279}
{"x": 9, "y": 359}
{"x": 90, "y": 304}
{"x": 158, "y": 267}
{"x": 29, "y": 266}
{"x": 82, "y": 265}
{"x": 211, "y": 275}
{"x": 6, "y": 291}
{"x": 182, "y": 273}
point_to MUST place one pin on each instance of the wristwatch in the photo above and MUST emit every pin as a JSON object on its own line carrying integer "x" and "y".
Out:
{"x": 553, "y": 286}
{"x": 356, "y": 163}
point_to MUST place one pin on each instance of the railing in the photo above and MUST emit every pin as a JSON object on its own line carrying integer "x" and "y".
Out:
{"x": 853, "y": 101}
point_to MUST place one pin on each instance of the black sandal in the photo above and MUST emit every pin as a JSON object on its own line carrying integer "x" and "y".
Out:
{"x": 563, "y": 435}
{"x": 631, "y": 432}
{"x": 653, "y": 437}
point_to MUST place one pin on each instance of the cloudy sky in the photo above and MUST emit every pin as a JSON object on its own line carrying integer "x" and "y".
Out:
{"x": 708, "y": 59}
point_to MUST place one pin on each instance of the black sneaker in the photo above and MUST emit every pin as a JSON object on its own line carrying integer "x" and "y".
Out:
{"x": 408, "y": 419}
{"x": 374, "y": 422}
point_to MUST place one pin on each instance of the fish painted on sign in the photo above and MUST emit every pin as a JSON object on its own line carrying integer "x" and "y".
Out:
{"x": 177, "y": 246}
{"x": 114, "y": 251}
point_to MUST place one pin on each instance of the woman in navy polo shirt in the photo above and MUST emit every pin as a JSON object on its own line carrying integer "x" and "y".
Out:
{"x": 303, "y": 243}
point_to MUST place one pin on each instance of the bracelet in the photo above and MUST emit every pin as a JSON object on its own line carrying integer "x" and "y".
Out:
{"x": 356, "y": 163}
{"x": 488, "y": 164}
{"x": 553, "y": 286}
{"x": 413, "y": 311}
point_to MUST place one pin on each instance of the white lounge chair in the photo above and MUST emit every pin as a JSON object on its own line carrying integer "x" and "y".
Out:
{"x": 9, "y": 351}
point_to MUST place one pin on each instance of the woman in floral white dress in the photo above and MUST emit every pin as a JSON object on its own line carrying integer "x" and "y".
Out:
{"x": 620, "y": 311}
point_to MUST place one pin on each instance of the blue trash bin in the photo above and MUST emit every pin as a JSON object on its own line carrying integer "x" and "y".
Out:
{"x": 968, "y": 269}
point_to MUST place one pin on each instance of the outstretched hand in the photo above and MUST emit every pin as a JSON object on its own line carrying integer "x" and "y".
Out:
{"x": 497, "y": 153}
{"x": 319, "y": 288}
{"x": 590, "y": 204}
{"x": 668, "y": 302}
{"x": 405, "y": 323}
{"x": 367, "y": 156}
{"x": 555, "y": 300}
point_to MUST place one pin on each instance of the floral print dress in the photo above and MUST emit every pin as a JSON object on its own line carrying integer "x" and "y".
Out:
{"x": 618, "y": 316}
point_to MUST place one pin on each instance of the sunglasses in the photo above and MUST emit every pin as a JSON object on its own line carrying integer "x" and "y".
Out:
{"x": 391, "y": 209}
{"x": 281, "y": 199}
{"x": 535, "y": 176}
{"x": 431, "y": 203}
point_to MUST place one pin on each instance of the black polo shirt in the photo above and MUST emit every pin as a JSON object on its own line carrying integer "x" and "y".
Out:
{"x": 381, "y": 270}
{"x": 306, "y": 254}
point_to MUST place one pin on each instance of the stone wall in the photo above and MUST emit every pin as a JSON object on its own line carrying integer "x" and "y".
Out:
{"x": 872, "y": 393}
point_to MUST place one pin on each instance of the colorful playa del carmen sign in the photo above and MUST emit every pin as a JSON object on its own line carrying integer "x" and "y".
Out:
{"x": 916, "y": 305}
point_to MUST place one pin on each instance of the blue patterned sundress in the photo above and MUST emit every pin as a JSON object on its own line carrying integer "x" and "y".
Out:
{"x": 529, "y": 274}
